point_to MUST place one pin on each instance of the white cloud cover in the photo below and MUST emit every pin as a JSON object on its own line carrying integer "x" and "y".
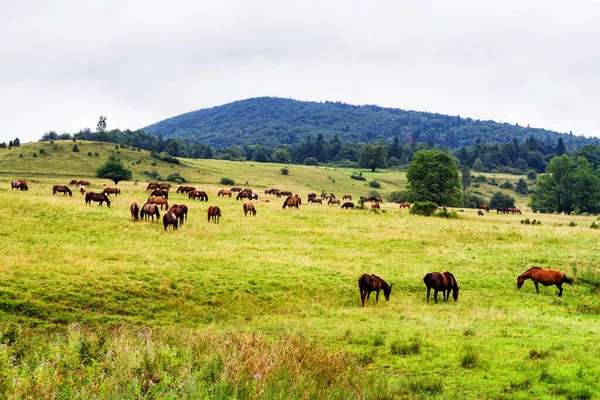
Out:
{"x": 65, "y": 63}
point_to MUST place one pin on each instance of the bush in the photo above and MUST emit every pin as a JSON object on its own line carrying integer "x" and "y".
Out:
{"x": 358, "y": 177}
{"x": 311, "y": 161}
{"x": 472, "y": 201}
{"x": 426, "y": 208}
{"x": 34, "y": 155}
{"x": 402, "y": 196}
{"x": 176, "y": 177}
{"x": 42, "y": 151}
{"x": 89, "y": 153}
{"x": 450, "y": 214}
{"x": 507, "y": 185}
{"x": 166, "y": 158}
{"x": 152, "y": 174}
{"x": 594, "y": 225}
{"x": 75, "y": 149}
{"x": 499, "y": 200}
{"x": 227, "y": 181}
{"x": 285, "y": 171}
{"x": 375, "y": 184}
{"x": 480, "y": 178}
{"x": 531, "y": 174}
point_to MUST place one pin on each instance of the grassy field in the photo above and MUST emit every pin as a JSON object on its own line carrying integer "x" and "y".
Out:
{"x": 94, "y": 305}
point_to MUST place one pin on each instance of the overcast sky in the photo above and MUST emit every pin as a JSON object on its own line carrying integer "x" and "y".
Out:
{"x": 65, "y": 63}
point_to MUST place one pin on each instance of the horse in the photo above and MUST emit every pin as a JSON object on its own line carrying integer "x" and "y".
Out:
{"x": 185, "y": 189}
{"x": 160, "y": 193}
{"x": 214, "y": 212}
{"x": 444, "y": 282}
{"x": 375, "y": 205}
{"x": 74, "y": 182}
{"x": 333, "y": 201}
{"x": 164, "y": 186}
{"x": 546, "y": 277}
{"x": 135, "y": 211}
{"x": 82, "y": 190}
{"x": 236, "y": 189}
{"x": 83, "y": 183}
{"x": 285, "y": 193}
{"x": 375, "y": 199}
{"x": 20, "y": 185}
{"x": 369, "y": 283}
{"x": 159, "y": 200}
{"x": 480, "y": 213}
{"x": 404, "y": 204}
{"x": 198, "y": 194}
{"x": 150, "y": 210}
{"x": 484, "y": 207}
{"x": 501, "y": 210}
{"x": 347, "y": 197}
{"x": 244, "y": 195}
{"x": 115, "y": 191}
{"x": 170, "y": 219}
{"x": 249, "y": 207}
{"x": 152, "y": 186}
{"x": 61, "y": 189}
{"x": 291, "y": 201}
{"x": 184, "y": 212}
{"x": 315, "y": 200}
{"x": 513, "y": 210}
{"x": 348, "y": 204}
{"x": 97, "y": 197}
{"x": 180, "y": 211}
{"x": 224, "y": 192}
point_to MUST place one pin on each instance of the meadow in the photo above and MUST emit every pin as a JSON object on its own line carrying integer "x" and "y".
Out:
{"x": 94, "y": 305}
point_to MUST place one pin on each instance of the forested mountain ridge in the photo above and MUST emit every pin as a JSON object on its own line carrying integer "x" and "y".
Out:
{"x": 272, "y": 122}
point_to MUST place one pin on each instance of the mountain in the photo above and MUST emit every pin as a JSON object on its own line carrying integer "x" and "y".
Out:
{"x": 272, "y": 122}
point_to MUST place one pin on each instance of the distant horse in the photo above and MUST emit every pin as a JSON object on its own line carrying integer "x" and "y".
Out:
{"x": 484, "y": 207}
{"x": 375, "y": 205}
{"x": 441, "y": 282}
{"x": 317, "y": 200}
{"x": 244, "y": 195}
{"x": 214, "y": 212}
{"x": 249, "y": 207}
{"x": 97, "y": 197}
{"x": 152, "y": 186}
{"x": 480, "y": 213}
{"x": 84, "y": 183}
{"x": 224, "y": 192}
{"x": 170, "y": 219}
{"x": 347, "y": 197}
{"x": 115, "y": 191}
{"x": 236, "y": 189}
{"x": 184, "y": 212}
{"x": 513, "y": 210}
{"x": 160, "y": 193}
{"x": 333, "y": 201}
{"x": 285, "y": 193}
{"x": 185, "y": 189}
{"x": 159, "y": 200}
{"x": 164, "y": 186}
{"x": 291, "y": 201}
{"x": 61, "y": 189}
{"x": 149, "y": 211}
{"x": 135, "y": 211}
{"x": 20, "y": 185}
{"x": 404, "y": 204}
{"x": 348, "y": 204}
{"x": 82, "y": 190}
{"x": 198, "y": 194}
{"x": 74, "y": 182}
{"x": 546, "y": 277}
{"x": 375, "y": 199}
{"x": 501, "y": 210}
{"x": 372, "y": 283}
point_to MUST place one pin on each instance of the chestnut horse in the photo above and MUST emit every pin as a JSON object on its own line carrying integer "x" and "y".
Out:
{"x": 152, "y": 186}
{"x": 214, "y": 212}
{"x": 404, "y": 205}
{"x": 159, "y": 200}
{"x": 333, "y": 201}
{"x": 149, "y": 211}
{"x": 97, "y": 197}
{"x": 370, "y": 283}
{"x": 20, "y": 184}
{"x": 441, "y": 282}
{"x": 74, "y": 182}
{"x": 170, "y": 219}
{"x": 347, "y": 197}
{"x": 244, "y": 195}
{"x": 546, "y": 277}
{"x": 61, "y": 189}
{"x": 375, "y": 205}
{"x": 249, "y": 207}
{"x": 224, "y": 192}
{"x": 135, "y": 211}
{"x": 180, "y": 212}
{"x": 84, "y": 183}
{"x": 291, "y": 201}
{"x": 185, "y": 189}
{"x": 115, "y": 191}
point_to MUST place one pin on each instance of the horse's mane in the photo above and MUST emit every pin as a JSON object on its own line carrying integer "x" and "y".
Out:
{"x": 382, "y": 281}
{"x": 531, "y": 269}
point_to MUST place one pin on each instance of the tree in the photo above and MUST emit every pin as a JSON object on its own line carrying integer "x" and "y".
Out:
{"x": 555, "y": 189}
{"x": 433, "y": 176}
{"x": 282, "y": 156}
{"x": 522, "y": 187}
{"x": 260, "y": 155}
{"x": 478, "y": 165}
{"x": 114, "y": 169}
{"x": 75, "y": 149}
{"x": 16, "y": 142}
{"x": 373, "y": 156}
{"x": 465, "y": 177}
{"x": 586, "y": 189}
{"x": 501, "y": 200}
{"x": 561, "y": 148}
{"x": 101, "y": 126}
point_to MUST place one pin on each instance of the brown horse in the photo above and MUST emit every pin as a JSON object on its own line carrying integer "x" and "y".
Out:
{"x": 224, "y": 192}
{"x": 546, "y": 277}
{"x": 214, "y": 212}
{"x": 170, "y": 219}
{"x": 484, "y": 207}
{"x": 74, "y": 182}
{"x": 198, "y": 194}
{"x": 285, "y": 193}
{"x": 347, "y": 197}
{"x": 317, "y": 200}
{"x": 84, "y": 183}
{"x": 97, "y": 197}
{"x": 370, "y": 283}
{"x": 404, "y": 205}
{"x": 249, "y": 207}
{"x": 180, "y": 212}
{"x": 236, "y": 189}
{"x": 152, "y": 186}
{"x": 149, "y": 211}
{"x": 333, "y": 201}
{"x": 185, "y": 189}
{"x": 291, "y": 201}
{"x": 244, "y": 195}
{"x": 160, "y": 193}
{"x": 375, "y": 205}
{"x": 164, "y": 186}
{"x": 115, "y": 191}
{"x": 159, "y": 200}
{"x": 82, "y": 190}
{"x": 135, "y": 211}
{"x": 444, "y": 282}
{"x": 61, "y": 189}
{"x": 20, "y": 185}
{"x": 348, "y": 204}
{"x": 480, "y": 213}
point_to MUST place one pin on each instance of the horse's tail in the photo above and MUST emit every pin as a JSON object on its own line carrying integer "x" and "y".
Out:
{"x": 566, "y": 280}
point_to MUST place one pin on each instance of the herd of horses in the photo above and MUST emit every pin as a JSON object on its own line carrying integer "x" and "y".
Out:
{"x": 446, "y": 283}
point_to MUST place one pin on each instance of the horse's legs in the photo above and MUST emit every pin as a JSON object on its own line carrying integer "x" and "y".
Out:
{"x": 428, "y": 291}
{"x": 377, "y": 297}
{"x": 559, "y": 285}
{"x": 363, "y": 294}
{"x": 435, "y": 292}
{"x": 537, "y": 289}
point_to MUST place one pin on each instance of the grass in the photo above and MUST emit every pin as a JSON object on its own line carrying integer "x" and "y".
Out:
{"x": 97, "y": 306}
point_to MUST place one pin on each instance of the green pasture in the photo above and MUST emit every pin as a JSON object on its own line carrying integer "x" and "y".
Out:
{"x": 94, "y": 305}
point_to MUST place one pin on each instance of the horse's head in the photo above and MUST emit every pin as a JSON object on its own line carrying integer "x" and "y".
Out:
{"x": 455, "y": 293}
{"x": 387, "y": 291}
{"x": 520, "y": 281}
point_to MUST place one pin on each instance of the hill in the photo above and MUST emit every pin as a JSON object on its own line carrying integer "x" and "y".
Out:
{"x": 272, "y": 122}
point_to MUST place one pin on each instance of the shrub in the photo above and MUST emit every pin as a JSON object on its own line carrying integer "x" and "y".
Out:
{"x": 285, "y": 171}
{"x": 472, "y": 201}
{"x": 375, "y": 184}
{"x": 594, "y": 225}
{"x": 34, "y": 155}
{"x": 227, "y": 181}
{"x": 480, "y": 178}
{"x": 176, "y": 177}
{"x": 531, "y": 174}
{"x": 152, "y": 174}
{"x": 426, "y": 208}
{"x": 42, "y": 151}
{"x": 500, "y": 199}
{"x": 166, "y": 158}
{"x": 450, "y": 214}
{"x": 311, "y": 161}
{"x": 89, "y": 153}
{"x": 507, "y": 185}
{"x": 358, "y": 177}
{"x": 75, "y": 149}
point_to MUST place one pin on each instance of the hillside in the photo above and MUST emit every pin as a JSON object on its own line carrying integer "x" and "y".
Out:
{"x": 273, "y": 121}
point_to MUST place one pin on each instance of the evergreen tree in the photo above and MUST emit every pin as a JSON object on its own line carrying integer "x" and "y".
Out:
{"x": 561, "y": 148}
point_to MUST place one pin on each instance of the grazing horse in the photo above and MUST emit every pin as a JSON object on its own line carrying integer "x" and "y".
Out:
{"x": 198, "y": 194}
{"x": 244, "y": 195}
{"x": 546, "y": 277}
{"x": 444, "y": 282}
{"x": 152, "y": 186}
{"x": 74, "y": 182}
{"x": 484, "y": 207}
{"x": 224, "y": 192}
{"x": 236, "y": 189}
{"x": 170, "y": 219}
{"x": 404, "y": 204}
{"x": 20, "y": 184}
{"x": 97, "y": 197}
{"x": 185, "y": 189}
{"x": 348, "y": 204}
{"x": 149, "y": 211}
{"x": 82, "y": 190}
{"x": 291, "y": 201}
{"x": 160, "y": 193}
{"x": 480, "y": 213}
{"x": 61, "y": 189}
{"x": 375, "y": 205}
{"x": 179, "y": 211}
{"x": 370, "y": 283}
{"x": 333, "y": 201}
{"x": 115, "y": 191}
{"x": 315, "y": 200}
{"x": 285, "y": 193}
{"x": 135, "y": 211}
{"x": 347, "y": 197}
{"x": 249, "y": 207}
{"x": 159, "y": 200}
{"x": 214, "y": 212}
{"x": 164, "y": 186}
{"x": 84, "y": 183}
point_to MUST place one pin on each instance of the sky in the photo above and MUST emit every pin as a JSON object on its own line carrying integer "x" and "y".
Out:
{"x": 64, "y": 63}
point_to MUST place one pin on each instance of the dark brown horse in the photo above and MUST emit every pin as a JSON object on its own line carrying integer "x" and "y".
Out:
{"x": 546, "y": 277}
{"x": 164, "y": 186}
{"x": 441, "y": 282}
{"x": 236, "y": 189}
{"x": 97, "y": 197}
{"x": 244, "y": 195}
{"x": 348, "y": 204}
{"x": 214, "y": 212}
{"x": 185, "y": 189}
{"x": 20, "y": 185}
{"x": 484, "y": 207}
{"x": 152, "y": 186}
{"x": 135, "y": 211}
{"x": 74, "y": 182}
{"x": 404, "y": 205}
{"x": 170, "y": 219}
{"x": 149, "y": 211}
{"x": 333, "y": 201}
{"x": 375, "y": 205}
{"x": 61, "y": 189}
{"x": 480, "y": 213}
{"x": 317, "y": 200}
{"x": 160, "y": 193}
{"x": 291, "y": 201}
{"x": 180, "y": 212}
{"x": 84, "y": 183}
{"x": 115, "y": 191}
{"x": 249, "y": 207}
{"x": 198, "y": 194}
{"x": 372, "y": 283}
{"x": 347, "y": 197}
